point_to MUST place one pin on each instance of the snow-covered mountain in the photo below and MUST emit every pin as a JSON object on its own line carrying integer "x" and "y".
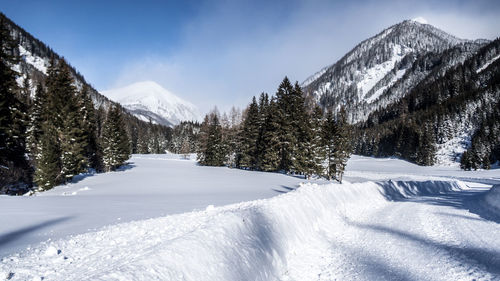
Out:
{"x": 367, "y": 73}
{"x": 148, "y": 100}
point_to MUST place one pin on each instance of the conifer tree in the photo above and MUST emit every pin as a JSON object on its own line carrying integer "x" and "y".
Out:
{"x": 342, "y": 144}
{"x": 203, "y": 141}
{"x": 115, "y": 142}
{"x": 329, "y": 132}
{"x": 319, "y": 153}
{"x": 427, "y": 150}
{"x": 215, "y": 153}
{"x": 14, "y": 166}
{"x": 73, "y": 141}
{"x": 36, "y": 119}
{"x": 47, "y": 173}
{"x": 249, "y": 137}
{"x": 286, "y": 129}
{"x": 88, "y": 122}
{"x": 260, "y": 143}
{"x": 303, "y": 150}
{"x": 271, "y": 149}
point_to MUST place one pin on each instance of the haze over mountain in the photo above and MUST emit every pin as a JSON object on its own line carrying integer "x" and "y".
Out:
{"x": 148, "y": 100}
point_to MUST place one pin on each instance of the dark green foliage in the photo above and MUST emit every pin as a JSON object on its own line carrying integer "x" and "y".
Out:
{"x": 428, "y": 115}
{"x": 485, "y": 144}
{"x": 280, "y": 135}
{"x": 115, "y": 142}
{"x": 249, "y": 137}
{"x": 342, "y": 144}
{"x": 74, "y": 140}
{"x": 88, "y": 121}
{"x": 212, "y": 149}
{"x": 329, "y": 131}
{"x": 37, "y": 118}
{"x": 49, "y": 165}
{"x": 269, "y": 148}
{"x": 287, "y": 129}
{"x": 15, "y": 171}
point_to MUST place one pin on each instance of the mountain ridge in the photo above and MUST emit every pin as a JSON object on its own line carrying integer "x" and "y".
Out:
{"x": 362, "y": 75}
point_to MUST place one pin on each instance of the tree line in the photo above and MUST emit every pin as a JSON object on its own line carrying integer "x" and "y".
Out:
{"x": 57, "y": 134}
{"x": 438, "y": 109}
{"x": 282, "y": 133}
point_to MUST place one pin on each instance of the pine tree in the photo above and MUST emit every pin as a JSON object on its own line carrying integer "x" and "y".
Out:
{"x": 286, "y": 130}
{"x": 203, "y": 141}
{"x": 115, "y": 142}
{"x": 465, "y": 162}
{"x": 249, "y": 137}
{"x": 319, "y": 153}
{"x": 329, "y": 132}
{"x": 14, "y": 167}
{"x": 73, "y": 141}
{"x": 427, "y": 150}
{"x": 47, "y": 173}
{"x": 93, "y": 152}
{"x": 303, "y": 149}
{"x": 342, "y": 144}
{"x": 271, "y": 157}
{"x": 260, "y": 143}
{"x": 215, "y": 153}
{"x": 36, "y": 119}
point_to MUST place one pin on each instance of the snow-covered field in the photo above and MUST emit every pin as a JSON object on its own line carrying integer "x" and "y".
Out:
{"x": 390, "y": 220}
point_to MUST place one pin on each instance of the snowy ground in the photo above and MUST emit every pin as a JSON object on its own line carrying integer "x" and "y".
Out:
{"x": 391, "y": 221}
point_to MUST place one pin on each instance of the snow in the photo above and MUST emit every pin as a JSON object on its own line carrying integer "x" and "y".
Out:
{"x": 420, "y": 20}
{"x": 150, "y": 186}
{"x": 488, "y": 63}
{"x": 150, "y": 96}
{"x": 370, "y": 77}
{"x": 38, "y": 62}
{"x": 379, "y": 92}
{"x": 450, "y": 152}
{"x": 315, "y": 76}
{"x": 492, "y": 198}
{"x": 390, "y": 220}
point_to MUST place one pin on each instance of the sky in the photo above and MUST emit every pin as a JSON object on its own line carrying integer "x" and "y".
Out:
{"x": 221, "y": 53}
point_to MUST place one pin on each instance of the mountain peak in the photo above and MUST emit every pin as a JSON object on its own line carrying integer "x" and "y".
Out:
{"x": 365, "y": 73}
{"x": 420, "y": 20}
{"x": 148, "y": 100}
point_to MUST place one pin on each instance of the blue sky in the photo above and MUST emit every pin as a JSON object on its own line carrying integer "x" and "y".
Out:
{"x": 223, "y": 52}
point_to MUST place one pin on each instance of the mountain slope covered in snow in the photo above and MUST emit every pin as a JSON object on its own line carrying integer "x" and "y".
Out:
{"x": 387, "y": 83}
{"x": 373, "y": 67}
{"x": 149, "y": 101}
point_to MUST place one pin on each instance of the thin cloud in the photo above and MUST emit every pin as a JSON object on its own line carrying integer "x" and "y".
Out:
{"x": 235, "y": 50}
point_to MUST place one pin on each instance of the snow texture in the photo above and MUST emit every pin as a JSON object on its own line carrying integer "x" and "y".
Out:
{"x": 488, "y": 63}
{"x": 143, "y": 97}
{"x": 420, "y": 20}
{"x": 37, "y": 62}
{"x": 492, "y": 198}
{"x": 418, "y": 225}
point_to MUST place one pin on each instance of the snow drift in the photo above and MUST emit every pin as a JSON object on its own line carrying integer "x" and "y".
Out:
{"x": 256, "y": 240}
{"x": 492, "y": 198}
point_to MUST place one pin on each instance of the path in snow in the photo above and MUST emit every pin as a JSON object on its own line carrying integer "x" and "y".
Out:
{"x": 414, "y": 223}
{"x": 150, "y": 186}
{"x": 423, "y": 238}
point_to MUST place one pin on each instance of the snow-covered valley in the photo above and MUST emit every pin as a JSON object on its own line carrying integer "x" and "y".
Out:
{"x": 165, "y": 218}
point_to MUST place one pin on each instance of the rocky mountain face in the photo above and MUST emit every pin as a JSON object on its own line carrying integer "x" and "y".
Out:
{"x": 367, "y": 77}
{"x": 416, "y": 92}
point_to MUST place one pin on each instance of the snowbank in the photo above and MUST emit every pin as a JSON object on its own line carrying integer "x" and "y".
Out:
{"x": 255, "y": 240}
{"x": 396, "y": 190}
{"x": 492, "y": 198}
